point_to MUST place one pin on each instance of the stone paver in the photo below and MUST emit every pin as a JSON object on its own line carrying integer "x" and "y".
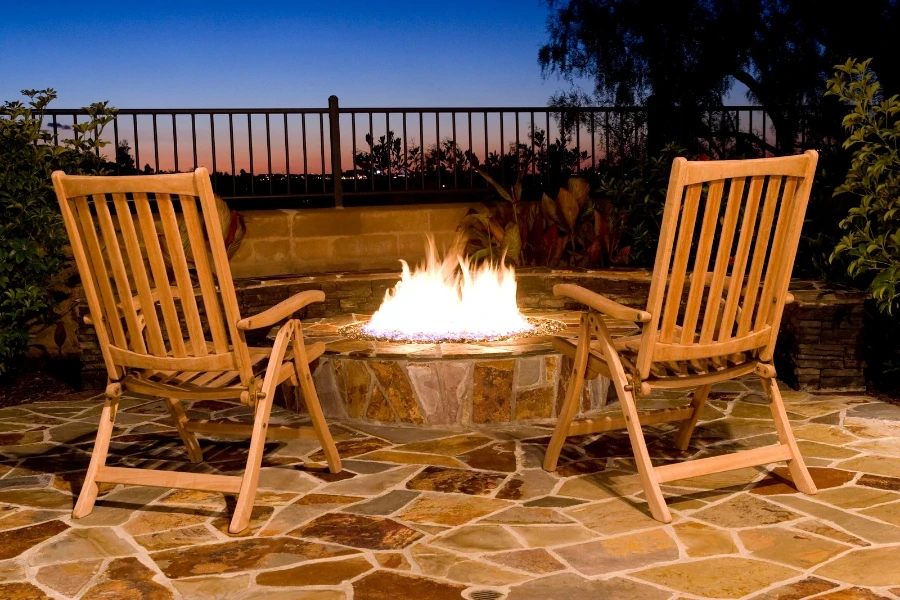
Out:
{"x": 421, "y": 512}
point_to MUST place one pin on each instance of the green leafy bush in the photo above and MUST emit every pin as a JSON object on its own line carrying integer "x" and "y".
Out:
{"x": 32, "y": 237}
{"x": 872, "y": 243}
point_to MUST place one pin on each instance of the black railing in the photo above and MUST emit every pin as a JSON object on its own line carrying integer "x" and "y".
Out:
{"x": 292, "y": 154}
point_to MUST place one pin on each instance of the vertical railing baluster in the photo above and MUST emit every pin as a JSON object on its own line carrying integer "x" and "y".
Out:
{"x": 305, "y": 164}
{"x": 212, "y": 141}
{"x": 485, "y": 163}
{"x": 250, "y": 144}
{"x": 437, "y": 135}
{"x": 405, "y": 157}
{"x": 533, "y": 155}
{"x": 502, "y": 153}
{"x": 322, "y": 147}
{"x": 269, "y": 151}
{"x": 115, "y": 141}
{"x": 353, "y": 134}
{"x": 518, "y": 159}
{"x": 422, "y": 148}
{"x": 471, "y": 152}
{"x": 455, "y": 151}
{"x": 155, "y": 145}
{"x": 388, "y": 139}
{"x": 231, "y": 141}
{"x": 371, "y": 142}
{"x": 175, "y": 141}
{"x": 287, "y": 156}
{"x": 137, "y": 153}
{"x": 194, "y": 138}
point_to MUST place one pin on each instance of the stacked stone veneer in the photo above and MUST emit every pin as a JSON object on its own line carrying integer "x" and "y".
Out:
{"x": 821, "y": 343}
{"x": 280, "y": 242}
{"x": 448, "y": 392}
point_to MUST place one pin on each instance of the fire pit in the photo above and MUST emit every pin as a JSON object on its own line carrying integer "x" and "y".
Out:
{"x": 448, "y": 347}
{"x": 448, "y": 383}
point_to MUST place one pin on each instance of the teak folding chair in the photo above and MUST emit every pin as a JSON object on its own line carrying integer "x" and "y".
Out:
{"x": 725, "y": 327}
{"x": 157, "y": 341}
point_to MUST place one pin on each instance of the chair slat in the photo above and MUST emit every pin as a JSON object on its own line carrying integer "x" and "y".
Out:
{"x": 99, "y": 269}
{"x": 701, "y": 261}
{"x": 776, "y": 264}
{"x": 679, "y": 263}
{"x": 120, "y": 276}
{"x": 160, "y": 276}
{"x": 139, "y": 273}
{"x": 204, "y": 273}
{"x": 226, "y": 283}
{"x": 182, "y": 276}
{"x": 748, "y": 227}
{"x": 760, "y": 248}
{"x": 723, "y": 258}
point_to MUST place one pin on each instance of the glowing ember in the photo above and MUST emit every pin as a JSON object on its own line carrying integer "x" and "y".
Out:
{"x": 451, "y": 300}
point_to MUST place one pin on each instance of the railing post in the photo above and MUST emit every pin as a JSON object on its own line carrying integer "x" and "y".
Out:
{"x": 337, "y": 172}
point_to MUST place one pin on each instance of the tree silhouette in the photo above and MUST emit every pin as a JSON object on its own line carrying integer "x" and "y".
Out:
{"x": 675, "y": 56}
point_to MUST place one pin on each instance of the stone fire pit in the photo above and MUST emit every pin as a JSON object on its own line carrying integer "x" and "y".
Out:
{"x": 445, "y": 384}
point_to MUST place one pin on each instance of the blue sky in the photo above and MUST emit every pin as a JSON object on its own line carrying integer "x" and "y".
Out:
{"x": 265, "y": 54}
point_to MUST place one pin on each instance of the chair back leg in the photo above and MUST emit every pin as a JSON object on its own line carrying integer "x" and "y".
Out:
{"x": 683, "y": 440}
{"x": 180, "y": 420}
{"x": 304, "y": 377}
{"x": 89, "y": 489}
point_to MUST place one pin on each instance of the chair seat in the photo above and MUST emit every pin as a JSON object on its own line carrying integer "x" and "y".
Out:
{"x": 663, "y": 374}
{"x": 214, "y": 384}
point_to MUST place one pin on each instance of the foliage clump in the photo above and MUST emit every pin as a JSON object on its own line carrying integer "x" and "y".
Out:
{"x": 872, "y": 242}
{"x": 32, "y": 237}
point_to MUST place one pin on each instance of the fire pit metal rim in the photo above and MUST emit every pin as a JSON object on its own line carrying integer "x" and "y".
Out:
{"x": 541, "y": 327}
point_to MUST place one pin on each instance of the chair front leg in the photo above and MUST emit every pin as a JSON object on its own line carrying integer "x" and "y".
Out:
{"x": 573, "y": 393}
{"x": 301, "y": 366}
{"x": 797, "y": 467}
{"x": 655, "y": 499}
{"x": 89, "y": 489}
{"x": 247, "y": 494}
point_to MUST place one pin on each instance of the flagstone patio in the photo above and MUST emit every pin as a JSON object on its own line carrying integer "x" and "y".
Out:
{"x": 438, "y": 514}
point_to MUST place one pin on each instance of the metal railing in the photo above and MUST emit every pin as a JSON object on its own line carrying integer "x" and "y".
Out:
{"x": 293, "y": 154}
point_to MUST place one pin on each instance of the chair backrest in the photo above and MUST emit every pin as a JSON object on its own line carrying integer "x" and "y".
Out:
{"x": 727, "y": 244}
{"x": 136, "y": 241}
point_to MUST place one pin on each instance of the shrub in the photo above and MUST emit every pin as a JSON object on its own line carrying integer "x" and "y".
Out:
{"x": 872, "y": 243}
{"x": 32, "y": 237}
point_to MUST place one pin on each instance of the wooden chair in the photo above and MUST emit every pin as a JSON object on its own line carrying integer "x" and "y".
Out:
{"x": 155, "y": 338}
{"x": 724, "y": 328}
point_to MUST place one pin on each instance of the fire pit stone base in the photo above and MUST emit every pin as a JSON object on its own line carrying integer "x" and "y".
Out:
{"x": 445, "y": 385}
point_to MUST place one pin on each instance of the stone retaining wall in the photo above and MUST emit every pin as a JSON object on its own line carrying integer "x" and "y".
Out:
{"x": 280, "y": 242}
{"x": 821, "y": 342}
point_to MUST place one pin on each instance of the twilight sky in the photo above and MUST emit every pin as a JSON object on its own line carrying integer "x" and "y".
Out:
{"x": 273, "y": 54}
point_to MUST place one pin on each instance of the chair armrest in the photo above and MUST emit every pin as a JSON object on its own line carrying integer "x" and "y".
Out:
{"x": 283, "y": 309}
{"x": 601, "y": 303}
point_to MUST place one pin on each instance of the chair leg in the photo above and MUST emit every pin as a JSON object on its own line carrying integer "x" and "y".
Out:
{"x": 180, "y": 419}
{"x": 89, "y": 490}
{"x": 687, "y": 426}
{"x": 247, "y": 494}
{"x": 647, "y": 475}
{"x": 797, "y": 467}
{"x": 301, "y": 366}
{"x": 573, "y": 394}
